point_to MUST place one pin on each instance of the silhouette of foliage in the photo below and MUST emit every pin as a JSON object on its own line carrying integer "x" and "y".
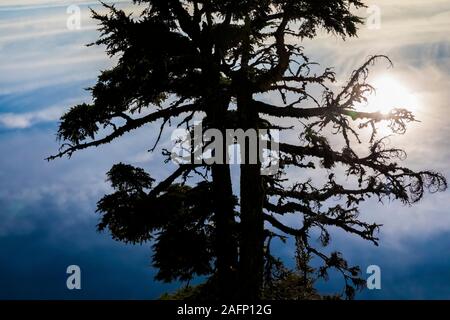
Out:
{"x": 217, "y": 59}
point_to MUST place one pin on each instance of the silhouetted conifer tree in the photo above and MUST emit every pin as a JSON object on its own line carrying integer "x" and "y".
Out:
{"x": 218, "y": 59}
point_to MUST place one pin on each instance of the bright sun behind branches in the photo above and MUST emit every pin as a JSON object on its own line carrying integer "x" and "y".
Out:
{"x": 390, "y": 93}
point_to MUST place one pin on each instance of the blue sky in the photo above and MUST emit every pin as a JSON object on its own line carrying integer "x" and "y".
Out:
{"x": 47, "y": 210}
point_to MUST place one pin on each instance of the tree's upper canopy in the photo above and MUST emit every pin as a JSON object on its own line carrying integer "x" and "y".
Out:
{"x": 178, "y": 49}
{"x": 185, "y": 57}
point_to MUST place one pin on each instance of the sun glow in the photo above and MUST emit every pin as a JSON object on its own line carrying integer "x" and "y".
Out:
{"x": 390, "y": 93}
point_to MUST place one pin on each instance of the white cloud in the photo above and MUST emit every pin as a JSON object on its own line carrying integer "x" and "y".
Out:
{"x": 26, "y": 120}
{"x": 15, "y": 5}
{"x": 37, "y": 49}
{"x": 409, "y": 30}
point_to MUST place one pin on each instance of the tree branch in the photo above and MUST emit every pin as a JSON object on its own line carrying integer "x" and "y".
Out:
{"x": 130, "y": 125}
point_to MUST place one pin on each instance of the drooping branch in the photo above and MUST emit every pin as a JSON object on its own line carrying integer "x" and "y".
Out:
{"x": 282, "y": 227}
{"x": 182, "y": 171}
{"x": 129, "y": 126}
{"x": 327, "y": 193}
{"x": 403, "y": 183}
{"x": 344, "y": 219}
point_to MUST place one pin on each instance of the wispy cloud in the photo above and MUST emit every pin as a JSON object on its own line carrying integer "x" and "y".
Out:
{"x": 26, "y": 120}
{"x": 15, "y": 5}
{"x": 37, "y": 49}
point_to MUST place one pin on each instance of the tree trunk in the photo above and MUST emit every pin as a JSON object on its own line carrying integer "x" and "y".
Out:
{"x": 226, "y": 242}
{"x": 251, "y": 201}
{"x": 252, "y": 232}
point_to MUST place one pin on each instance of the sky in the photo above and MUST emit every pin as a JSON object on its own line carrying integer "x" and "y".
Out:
{"x": 47, "y": 209}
